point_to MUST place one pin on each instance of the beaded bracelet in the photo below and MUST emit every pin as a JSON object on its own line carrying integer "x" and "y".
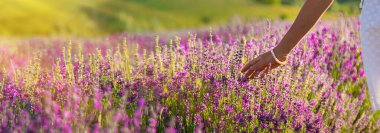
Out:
{"x": 276, "y": 59}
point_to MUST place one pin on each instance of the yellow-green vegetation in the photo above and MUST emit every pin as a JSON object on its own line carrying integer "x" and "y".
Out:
{"x": 98, "y": 17}
{"x": 43, "y": 17}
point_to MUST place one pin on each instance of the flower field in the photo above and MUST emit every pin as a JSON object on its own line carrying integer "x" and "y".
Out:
{"x": 188, "y": 83}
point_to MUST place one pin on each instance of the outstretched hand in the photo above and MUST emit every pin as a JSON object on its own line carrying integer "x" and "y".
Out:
{"x": 261, "y": 65}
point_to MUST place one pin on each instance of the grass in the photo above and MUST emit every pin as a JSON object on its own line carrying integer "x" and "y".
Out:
{"x": 99, "y": 17}
{"x": 42, "y": 17}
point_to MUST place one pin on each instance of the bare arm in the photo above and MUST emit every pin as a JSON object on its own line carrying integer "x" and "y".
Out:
{"x": 309, "y": 15}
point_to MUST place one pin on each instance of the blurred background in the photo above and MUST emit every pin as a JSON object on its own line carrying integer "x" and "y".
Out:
{"x": 24, "y": 18}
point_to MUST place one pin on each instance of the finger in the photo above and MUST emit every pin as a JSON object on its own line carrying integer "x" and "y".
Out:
{"x": 248, "y": 73}
{"x": 257, "y": 68}
{"x": 253, "y": 75}
{"x": 249, "y": 64}
{"x": 264, "y": 72}
{"x": 251, "y": 70}
{"x": 246, "y": 66}
{"x": 273, "y": 66}
{"x": 261, "y": 74}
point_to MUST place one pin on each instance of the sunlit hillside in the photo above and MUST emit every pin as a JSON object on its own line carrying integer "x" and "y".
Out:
{"x": 43, "y": 17}
{"x": 97, "y": 17}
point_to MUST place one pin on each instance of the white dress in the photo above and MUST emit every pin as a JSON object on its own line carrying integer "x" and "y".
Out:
{"x": 370, "y": 40}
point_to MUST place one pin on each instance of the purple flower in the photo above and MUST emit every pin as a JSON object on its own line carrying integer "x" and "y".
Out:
{"x": 141, "y": 102}
{"x": 197, "y": 118}
{"x": 152, "y": 122}
{"x": 97, "y": 104}
{"x": 170, "y": 130}
{"x": 229, "y": 109}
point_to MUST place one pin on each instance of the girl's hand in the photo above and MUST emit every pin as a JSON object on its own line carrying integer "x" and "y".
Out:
{"x": 310, "y": 13}
{"x": 262, "y": 64}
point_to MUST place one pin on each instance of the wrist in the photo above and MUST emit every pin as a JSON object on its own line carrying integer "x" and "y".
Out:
{"x": 281, "y": 54}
